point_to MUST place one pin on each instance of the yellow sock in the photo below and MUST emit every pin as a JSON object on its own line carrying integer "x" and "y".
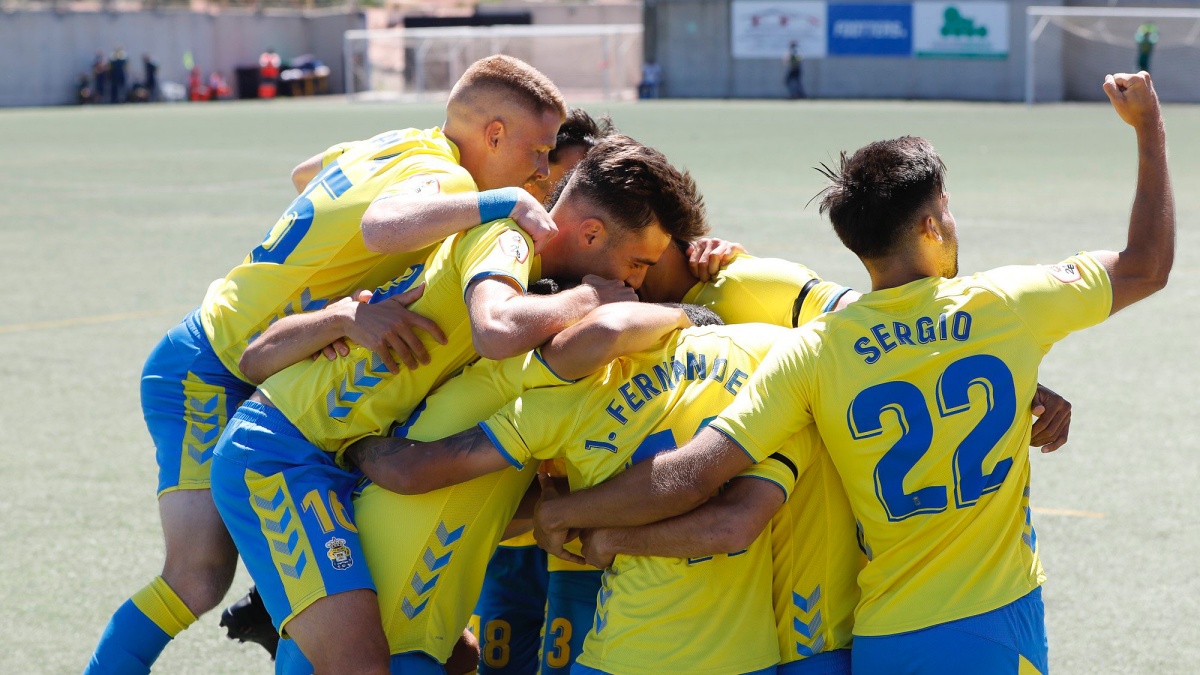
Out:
{"x": 158, "y": 602}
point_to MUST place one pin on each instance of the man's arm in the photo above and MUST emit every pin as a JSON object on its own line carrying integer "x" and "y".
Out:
{"x": 412, "y": 467}
{"x": 506, "y": 322}
{"x": 411, "y": 222}
{"x": 1143, "y": 267}
{"x": 305, "y": 171}
{"x": 728, "y": 522}
{"x": 666, "y": 485}
{"x": 384, "y": 328}
{"x": 608, "y": 332}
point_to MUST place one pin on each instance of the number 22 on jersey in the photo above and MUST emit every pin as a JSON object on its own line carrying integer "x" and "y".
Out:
{"x": 909, "y": 405}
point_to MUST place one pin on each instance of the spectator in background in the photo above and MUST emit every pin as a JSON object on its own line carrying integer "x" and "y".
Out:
{"x": 83, "y": 89}
{"x": 269, "y": 64}
{"x": 100, "y": 70}
{"x": 1147, "y": 37}
{"x": 651, "y": 79}
{"x": 793, "y": 79}
{"x": 218, "y": 88}
{"x": 150, "y": 77}
{"x": 118, "y": 64}
{"x": 196, "y": 89}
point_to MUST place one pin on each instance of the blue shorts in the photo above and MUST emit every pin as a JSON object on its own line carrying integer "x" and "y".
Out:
{"x": 288, "y": 508}
{"x": 188, "y": 395}
{"x": 833, "y": 662}
{"x": 289, "y": 661}
{"x": 1004, "y": 641}
{"x": 510, "y": 610}
{"x": 570, "y": 612}
{"x": 580, "y": 669}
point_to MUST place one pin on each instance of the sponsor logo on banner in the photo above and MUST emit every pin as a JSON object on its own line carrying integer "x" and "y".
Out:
{"x": 870, "y": 30}
{"x": 764, "y": 30}
{"x": 961, "y": 29}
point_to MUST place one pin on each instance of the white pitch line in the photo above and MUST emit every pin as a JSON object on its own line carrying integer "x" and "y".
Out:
{"x": 85, "y": 320}
{"x": 1066, "y": 512}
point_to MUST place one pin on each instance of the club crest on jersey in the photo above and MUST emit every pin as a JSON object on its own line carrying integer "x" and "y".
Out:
{"x": 423, "y": 185}
{"x": 339, "y": 554}
{"x": 514, "y": 245}
{"x": 1067, "y": 273}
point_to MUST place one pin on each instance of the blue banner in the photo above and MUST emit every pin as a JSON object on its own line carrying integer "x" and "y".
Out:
{"x": 870, "y": 30}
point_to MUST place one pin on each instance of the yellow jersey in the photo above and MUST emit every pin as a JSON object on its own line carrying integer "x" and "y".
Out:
{"x": 751, "y": 290}
{"x": 636, "y": 407}
{"x": 814, "y": 551}
{"x": 335, "y": 403}
{"x": 766, "y": 290}
{"x": 921, "y": 394}
{"x": 399, "y": 530}
{"x": 315, "y": 252}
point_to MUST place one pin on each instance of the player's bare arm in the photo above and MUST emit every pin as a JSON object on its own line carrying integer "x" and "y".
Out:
{"x": 667, "y": 485}
{"x": 411, "y": 222}
{"x": 412, "y": 467}
{"x": 731, "y": 521}
{"x": 305, "y": 171}
{"x": 505, "y": 322}
{"x": 608, "y": 332}
{"x": 386, "y": 328}
{"x": 1143, "y": 267}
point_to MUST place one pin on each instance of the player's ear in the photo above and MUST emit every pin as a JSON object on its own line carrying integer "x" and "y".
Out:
{"x": 494, "y": 134}
{"x": 591, "y": 232}
{"x": 930, "y": 228}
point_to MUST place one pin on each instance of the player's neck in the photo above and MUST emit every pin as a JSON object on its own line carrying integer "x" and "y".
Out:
{"x": 897, "y": 271}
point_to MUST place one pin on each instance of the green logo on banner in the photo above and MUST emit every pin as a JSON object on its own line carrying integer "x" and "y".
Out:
{"x": 958, "y": 25}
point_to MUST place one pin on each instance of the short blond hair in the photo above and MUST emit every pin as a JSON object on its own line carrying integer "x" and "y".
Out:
{"x": 516, "y": 80}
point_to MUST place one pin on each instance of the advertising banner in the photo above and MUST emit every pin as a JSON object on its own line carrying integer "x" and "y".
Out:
{"x": 870, "y": 30}
{"x": 763, "y": 29}
{"x": 961, "y": 29}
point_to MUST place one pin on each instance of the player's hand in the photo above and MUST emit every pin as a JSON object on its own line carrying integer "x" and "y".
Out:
{"x": 1053, "y": 423}
{"x": 608, "y": 290}
{"x": 707, "y": 256}
{"x": 386, "y": 328}
{"x": 531, "y": 216}
{"x": 596, "y": 550}
{"x": 334, "y": 350}
{"x": 550, "y": 539}
{"x": 1134, "y": 99}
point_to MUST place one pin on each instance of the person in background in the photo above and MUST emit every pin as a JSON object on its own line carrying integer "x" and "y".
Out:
{"x": 651, "y": 78}
{"x": 100, "y": 68}
{"x": 118, "y": 63}
{"x": 83, "y": 89}
{"x": 218, "y": 88}
{"x": 795, "y": 85}
{"x": 150, "y": 76}
{"x": 1147, "y": 37}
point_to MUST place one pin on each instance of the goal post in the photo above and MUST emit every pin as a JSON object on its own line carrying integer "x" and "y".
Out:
{"x": 1068, "y": 50}
{"x": 592, "y": 61}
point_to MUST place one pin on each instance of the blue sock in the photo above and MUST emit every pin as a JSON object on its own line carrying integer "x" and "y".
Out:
{"x": 130, "y": 644}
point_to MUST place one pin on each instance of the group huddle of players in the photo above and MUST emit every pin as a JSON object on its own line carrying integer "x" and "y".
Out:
{"x": 736, "y": 466}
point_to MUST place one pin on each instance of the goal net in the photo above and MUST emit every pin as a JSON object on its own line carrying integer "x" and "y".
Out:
{"x": 1069, "y": 50}
{"x": 587, "y": 62}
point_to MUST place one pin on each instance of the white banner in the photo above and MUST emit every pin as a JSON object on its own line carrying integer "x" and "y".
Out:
{"x": 961, "y": 29}
{"x": 764, "y": 29}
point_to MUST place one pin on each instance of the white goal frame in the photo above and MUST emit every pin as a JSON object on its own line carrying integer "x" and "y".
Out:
{"x": 1038, "y": 17}
{"x": 613, "y": 35}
